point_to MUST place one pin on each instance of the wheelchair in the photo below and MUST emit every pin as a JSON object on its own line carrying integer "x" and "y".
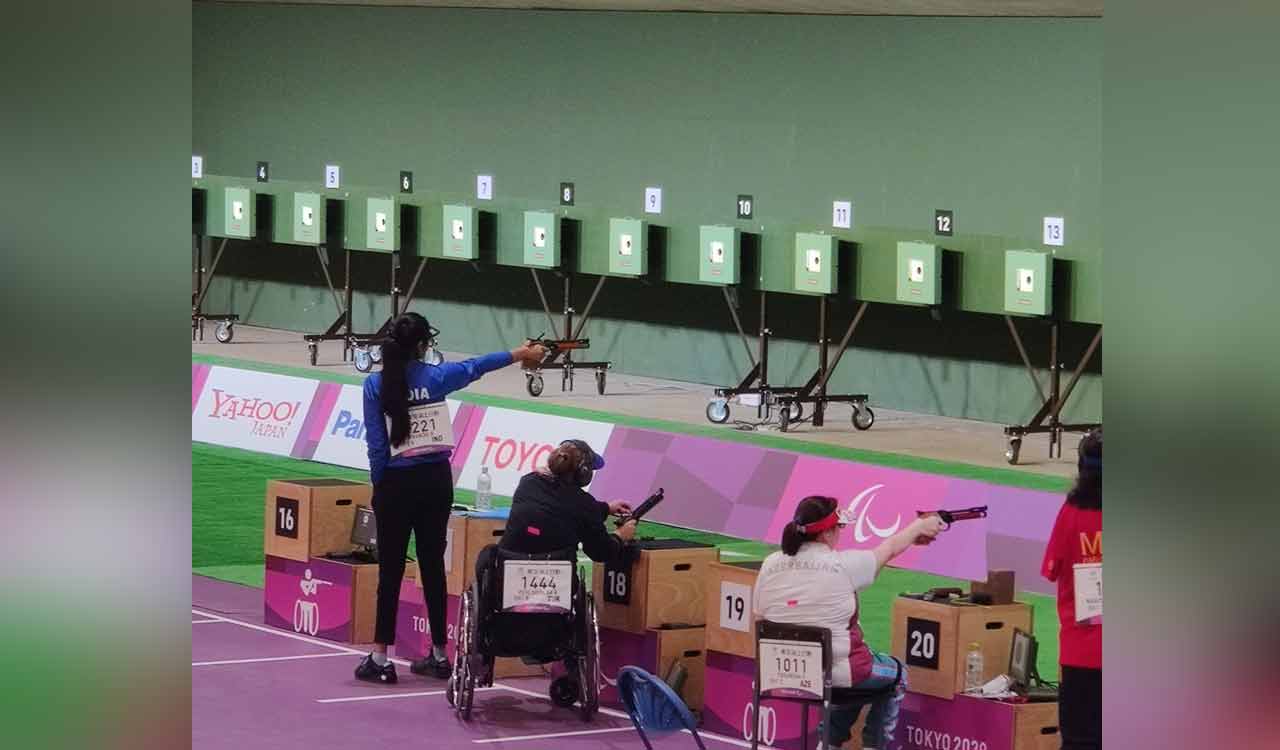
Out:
{"x": 538, "y": 608}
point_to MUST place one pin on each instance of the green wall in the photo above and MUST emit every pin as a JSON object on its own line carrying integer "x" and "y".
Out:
{"x": 997, "y": 120}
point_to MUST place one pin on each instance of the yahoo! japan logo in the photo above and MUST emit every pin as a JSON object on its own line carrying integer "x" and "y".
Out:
{"x": 518, "y": 455}
{"x": 858, "y": 515}
{"x": 269, "y": 418}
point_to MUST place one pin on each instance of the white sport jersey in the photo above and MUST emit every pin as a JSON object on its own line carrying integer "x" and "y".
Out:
{"x": 818, "y": 586}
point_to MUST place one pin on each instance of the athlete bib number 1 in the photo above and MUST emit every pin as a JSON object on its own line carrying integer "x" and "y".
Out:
{"x": 536, "y": 586}
{"x": 430, "y": 430}
{"x": 791, "y": 668}
{"x": 1088, "y": 581}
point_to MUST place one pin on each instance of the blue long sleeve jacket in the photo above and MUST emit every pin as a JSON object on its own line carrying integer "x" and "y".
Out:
{"x": 428, "y": 384}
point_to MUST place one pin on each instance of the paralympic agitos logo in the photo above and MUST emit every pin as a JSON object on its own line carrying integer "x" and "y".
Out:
{"x": 858, "y": 515}
{"x": 270, "y": 418}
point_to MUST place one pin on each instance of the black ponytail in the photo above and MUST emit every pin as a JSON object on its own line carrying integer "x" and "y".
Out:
{"x": 1087, "y": 491}
{"x": 811, "y": 509}
{"x": 398, "y": 350}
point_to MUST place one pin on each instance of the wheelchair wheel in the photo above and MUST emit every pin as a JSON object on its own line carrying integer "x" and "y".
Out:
{"x": 461, "y": 691}
{"x": 589, "y": 664}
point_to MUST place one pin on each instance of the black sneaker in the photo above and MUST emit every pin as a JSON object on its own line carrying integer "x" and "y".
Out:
{"x": 430, "y": 666}
{"x": 368, "y": 671}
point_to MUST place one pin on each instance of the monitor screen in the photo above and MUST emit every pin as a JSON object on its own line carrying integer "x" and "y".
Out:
{"x": 1022, "y": 659}
{"x": 364, "y": 532}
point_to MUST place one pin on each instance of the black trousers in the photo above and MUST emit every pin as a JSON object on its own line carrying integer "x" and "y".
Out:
{"x": 1080, "y": 708}
{"x": 418, "y": 499}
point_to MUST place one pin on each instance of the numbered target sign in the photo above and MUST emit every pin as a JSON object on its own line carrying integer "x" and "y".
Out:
{"x": 943, "y": 223}
{"x": 617, "y": 584}
{"x": 566, "y": 193}
{"x": 1054, "y": 231}
{"x": 197, "y": 167}
{"x": 653, "y": 200}
{"x": 735, "y": 606}
{"x": 746, "y": 206}
{"x": 922, "y": 642}
{"x": 287, "y": 517}
{"x": 842, "y": 214}
{"x": 406, "y": 182}
{"x": 791, "y": 668}
{"x": 536, "y": 585}
{"x": 264, "y": 171}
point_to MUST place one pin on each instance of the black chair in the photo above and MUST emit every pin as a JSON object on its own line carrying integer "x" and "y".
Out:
{"x": 793, "y": 663}
{"x": 538, "y": 608}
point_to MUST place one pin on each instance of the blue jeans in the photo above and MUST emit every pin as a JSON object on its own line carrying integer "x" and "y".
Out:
{"x": 882, "y": 719}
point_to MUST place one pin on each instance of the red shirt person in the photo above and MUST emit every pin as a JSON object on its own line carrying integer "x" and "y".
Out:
{"x": 1073, "y": 560}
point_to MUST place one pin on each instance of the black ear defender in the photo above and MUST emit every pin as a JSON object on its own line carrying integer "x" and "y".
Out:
{"x": 583, "y": 473}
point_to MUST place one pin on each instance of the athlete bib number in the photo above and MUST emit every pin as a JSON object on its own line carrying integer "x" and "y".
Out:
{"x": 791, "y": 668}
{"x": 1088, "y": 580}
{"x": 430, "y": 431}
{"x": 536, "y": 586}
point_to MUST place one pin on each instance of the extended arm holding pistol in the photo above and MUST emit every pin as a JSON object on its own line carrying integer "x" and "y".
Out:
{"x": 556, "y": 346}
{"x": 951, "y": 516}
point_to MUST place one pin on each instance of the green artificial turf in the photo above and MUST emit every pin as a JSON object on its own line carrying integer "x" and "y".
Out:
{"x": 227, "y": 516}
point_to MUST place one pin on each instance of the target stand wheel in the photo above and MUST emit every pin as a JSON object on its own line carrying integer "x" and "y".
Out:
{"x": 224, "y": 332}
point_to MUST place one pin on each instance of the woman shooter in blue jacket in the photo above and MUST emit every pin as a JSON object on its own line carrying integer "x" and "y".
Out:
{"x": 410, "y": 440}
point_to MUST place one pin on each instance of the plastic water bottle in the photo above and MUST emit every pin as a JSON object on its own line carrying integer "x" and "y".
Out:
{"x": 484, "y": 485}
{"x": 973, "y": 667}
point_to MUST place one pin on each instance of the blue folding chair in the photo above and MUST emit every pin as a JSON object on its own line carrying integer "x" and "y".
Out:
{"x": 653, "y": 705}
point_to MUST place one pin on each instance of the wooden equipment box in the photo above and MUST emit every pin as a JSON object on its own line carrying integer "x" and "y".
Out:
{"x": 976, "y": 722}
{"x": 306, "y": 518}
{"x": 332, "y": 599}
{"x": 932, "y": 639}
{"x": 730, "y": 624}
{"x": 655, "y": 651}
{"x": 667, "y": 585}
{"x": 482, "y": 529}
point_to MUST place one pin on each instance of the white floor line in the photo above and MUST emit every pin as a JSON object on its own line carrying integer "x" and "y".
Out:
{"x": 201, "y": 622}
{"x": 611, "y": 712}
{"x": 578, "y": 733}
{"x": 336, "y": 647}
{"x": 292, "y": 636}
{"x": 387, "y": 696}
{"x": 265, "y": 658}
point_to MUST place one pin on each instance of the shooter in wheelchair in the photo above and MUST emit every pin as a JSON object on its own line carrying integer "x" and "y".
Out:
{"x": 529, "y": 599}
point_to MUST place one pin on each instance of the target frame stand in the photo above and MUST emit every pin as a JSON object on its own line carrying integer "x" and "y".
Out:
{"x": 790, "y": 400}
{"x": 1046, "y": 419}
{"x": 561, "y": 355}
{"x": 200, "y": 284}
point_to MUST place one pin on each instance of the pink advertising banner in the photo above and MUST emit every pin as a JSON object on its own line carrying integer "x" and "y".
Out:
{"x": 729, "y": 487}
